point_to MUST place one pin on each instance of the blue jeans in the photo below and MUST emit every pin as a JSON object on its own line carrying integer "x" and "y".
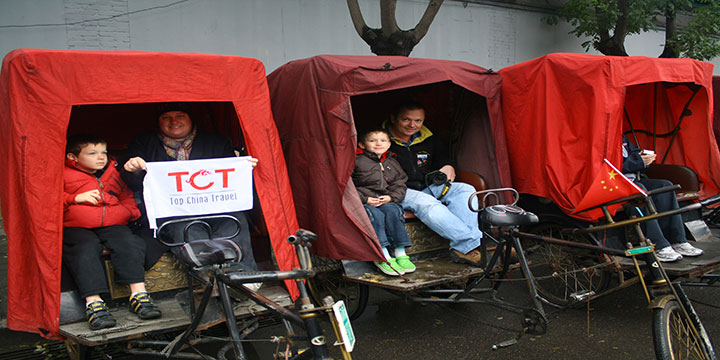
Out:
{"x": 449, "y": 217}
{"x": 388, "y": 220}
{"x": 666, "y": 230}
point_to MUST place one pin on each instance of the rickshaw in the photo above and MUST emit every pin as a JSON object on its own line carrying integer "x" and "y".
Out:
{"x": 320, "y": 103}
{"x": 49, "y": 94}
{"x": 563, "y": 115}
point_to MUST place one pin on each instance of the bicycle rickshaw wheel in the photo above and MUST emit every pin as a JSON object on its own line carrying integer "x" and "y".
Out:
{"x": 355, "y": 295}
{"x": 563, "y": 274}
{"x": 673, "y": 335}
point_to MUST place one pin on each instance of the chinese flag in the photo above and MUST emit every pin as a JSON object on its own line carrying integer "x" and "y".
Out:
{"x": 610, "y": 184}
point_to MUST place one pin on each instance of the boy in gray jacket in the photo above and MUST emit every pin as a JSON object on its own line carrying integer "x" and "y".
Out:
{"x": 381, "y": 184}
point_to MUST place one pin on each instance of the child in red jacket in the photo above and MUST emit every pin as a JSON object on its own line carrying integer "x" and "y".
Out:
{"x": 97, "y": 208}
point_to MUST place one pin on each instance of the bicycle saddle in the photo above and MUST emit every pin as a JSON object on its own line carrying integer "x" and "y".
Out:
{"x": 207, "y": 252}
{"x": 507, "y": 215}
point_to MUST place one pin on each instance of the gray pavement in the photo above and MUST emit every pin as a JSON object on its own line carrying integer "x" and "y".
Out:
{"x": 617, "y": 326}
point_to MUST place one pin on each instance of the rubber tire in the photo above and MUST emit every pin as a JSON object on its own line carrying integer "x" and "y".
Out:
{"x": 663, "y": 334}
{"x": 355, "y": 295}
{"x": 546, "y": 259}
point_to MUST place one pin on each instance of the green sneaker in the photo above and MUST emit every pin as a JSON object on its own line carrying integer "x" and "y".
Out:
{"x": 389, "y": 267}
{"x": 405, "y": 263}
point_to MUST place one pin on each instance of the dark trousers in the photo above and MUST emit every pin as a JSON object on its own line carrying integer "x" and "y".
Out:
{"x": 389, "y": 223}
{"x": 220, "y": 227}
{"x": 81, "y": 255}
{"x": 667, "y": 230}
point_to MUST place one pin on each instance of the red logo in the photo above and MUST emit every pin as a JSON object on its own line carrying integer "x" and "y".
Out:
{"x": 195, "y": 179}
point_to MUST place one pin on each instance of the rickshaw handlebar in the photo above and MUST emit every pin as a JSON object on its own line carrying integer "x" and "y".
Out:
{"x": 491, "y": 193}
{"x": 637, "y": 196}
{"x": 633, "y": 221}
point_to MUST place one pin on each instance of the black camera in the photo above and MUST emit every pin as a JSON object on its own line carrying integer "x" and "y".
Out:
{"x": 436, "y": 177}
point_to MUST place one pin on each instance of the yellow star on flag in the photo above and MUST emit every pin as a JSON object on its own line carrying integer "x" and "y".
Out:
{"x": 612, "y": 174}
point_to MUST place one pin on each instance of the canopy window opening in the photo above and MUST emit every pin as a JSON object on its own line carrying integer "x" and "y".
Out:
{"x": 457, "y": 116}
{"x": 670, "y": 118}
{"x": 119, "y": 123}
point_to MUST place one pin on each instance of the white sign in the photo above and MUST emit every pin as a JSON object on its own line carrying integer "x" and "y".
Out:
{"x": 197, "y": 187}
{"x": 343, "y": 320}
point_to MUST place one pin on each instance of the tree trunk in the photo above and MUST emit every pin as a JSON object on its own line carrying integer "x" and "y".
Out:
{"x": 670, "y": 33}
{"x": 390, "y": 39}
{"x": 615, "y": 45}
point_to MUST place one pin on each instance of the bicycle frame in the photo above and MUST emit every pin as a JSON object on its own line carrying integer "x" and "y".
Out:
{"x": 232, "y": 275}
{"x": 658, "y": 287}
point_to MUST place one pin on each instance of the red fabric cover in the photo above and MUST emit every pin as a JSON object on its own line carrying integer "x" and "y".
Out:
{"x": 564, "y": 113}
{"x": 38, "y": 89}
{"x": 117, "y": 206}
{"x": 311, "y": 100}
{"x": 716, "y": 105}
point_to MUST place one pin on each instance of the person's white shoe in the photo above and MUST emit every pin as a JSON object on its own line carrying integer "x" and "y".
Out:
{"x": 685, "y": 249}
{"x": 667, "y": 254}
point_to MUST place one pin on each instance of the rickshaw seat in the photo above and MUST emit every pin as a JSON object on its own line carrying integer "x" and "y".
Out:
{"x": 468, "y": 177}
{"x": 684, "y": 176}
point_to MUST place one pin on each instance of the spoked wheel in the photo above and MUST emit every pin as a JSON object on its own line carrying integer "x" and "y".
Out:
{"x": 679, "y": 335}
{"x": 355, "y": 295}
{"x": 563, "y": 274}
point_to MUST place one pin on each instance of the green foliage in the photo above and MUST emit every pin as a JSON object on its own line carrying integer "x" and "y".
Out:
{"x": 699, "y": 39}
{"x": 593, "y": 18}
{"x": 599, "y": 20}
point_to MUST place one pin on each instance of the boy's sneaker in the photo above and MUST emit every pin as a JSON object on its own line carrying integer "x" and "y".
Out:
{"x": 667, "y": 254}
{"x": 390, "y": 267}
{"x": 474, "y": 257}
{"x": 405, "y": 263}
{"x": 685, "y": 249}
{"x": 142, "y": 305}
{"x": 98, "y": 316}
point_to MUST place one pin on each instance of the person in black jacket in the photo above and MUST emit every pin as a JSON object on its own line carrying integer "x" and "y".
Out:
{"x": 178, "y": 139}
{"x": 443, "y": 209}
{"x": 667, "y": 233}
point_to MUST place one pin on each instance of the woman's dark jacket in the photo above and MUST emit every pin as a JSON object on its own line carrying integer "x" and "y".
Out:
{"x": 149, "y": 147}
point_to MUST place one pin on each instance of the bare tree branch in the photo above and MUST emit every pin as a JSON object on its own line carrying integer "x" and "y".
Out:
{"x": 424, "y": 25}
{"x": 388, "y": 22}
{"x": 357, "y": 17}
{"x": 389, "y": 39}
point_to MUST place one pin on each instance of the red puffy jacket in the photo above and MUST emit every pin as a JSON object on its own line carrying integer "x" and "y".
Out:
{"x": 117, "y": 206}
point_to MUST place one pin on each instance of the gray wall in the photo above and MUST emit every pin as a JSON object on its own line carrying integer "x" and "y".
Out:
{"x": 278, "y": 31}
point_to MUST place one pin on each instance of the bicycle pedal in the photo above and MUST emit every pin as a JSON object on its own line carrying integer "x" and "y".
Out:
{"x": 582, "y": 295}
{"x": 505, "y": 343}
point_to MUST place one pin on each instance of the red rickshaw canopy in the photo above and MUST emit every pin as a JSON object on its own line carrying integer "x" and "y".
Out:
{"x": 312, "y": 101}
{"x": 564, "y": 114}
{"x": 38, "y": 90}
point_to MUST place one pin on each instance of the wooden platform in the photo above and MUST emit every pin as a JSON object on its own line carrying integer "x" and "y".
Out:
{"x": 175, "y": 317}
{"x": 430, "y": 272}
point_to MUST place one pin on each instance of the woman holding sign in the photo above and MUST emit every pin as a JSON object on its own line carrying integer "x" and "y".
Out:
{"x": 178, "y": 139}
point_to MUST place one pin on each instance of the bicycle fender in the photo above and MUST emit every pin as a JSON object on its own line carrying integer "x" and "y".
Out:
{"x": 660, "y": 301}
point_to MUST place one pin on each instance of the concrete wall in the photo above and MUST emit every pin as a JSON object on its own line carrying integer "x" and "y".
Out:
{"x": 278, "y": 31}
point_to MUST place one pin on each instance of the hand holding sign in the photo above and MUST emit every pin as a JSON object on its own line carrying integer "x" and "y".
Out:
{"x": 198, "y": 187}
